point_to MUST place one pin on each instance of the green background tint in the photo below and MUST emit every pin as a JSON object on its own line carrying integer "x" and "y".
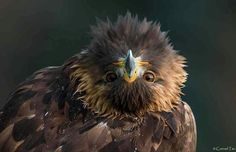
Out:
{"x": 35, "y": 34}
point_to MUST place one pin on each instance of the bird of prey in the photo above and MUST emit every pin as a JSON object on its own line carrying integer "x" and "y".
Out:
{"x": 120, "y": 94}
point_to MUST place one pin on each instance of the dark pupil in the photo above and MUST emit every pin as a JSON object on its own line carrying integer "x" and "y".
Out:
{"x": 111, "y": 77}
{"x": 149, "y": 77}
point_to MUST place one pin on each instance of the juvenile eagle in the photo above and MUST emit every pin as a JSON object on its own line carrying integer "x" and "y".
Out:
{"x": 120, "y": 94}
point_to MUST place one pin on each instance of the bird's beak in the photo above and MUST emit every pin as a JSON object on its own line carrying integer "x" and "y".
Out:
{"x": 131, "y": 66}
{"x": 131, "y": 71}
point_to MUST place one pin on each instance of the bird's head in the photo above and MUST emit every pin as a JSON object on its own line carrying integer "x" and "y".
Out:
{"x": 129, "y": 68}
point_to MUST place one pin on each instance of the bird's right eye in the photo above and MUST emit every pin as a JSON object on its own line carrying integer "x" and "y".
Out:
{"x": 110, "y": 76}
{"x": 149, "y": 76}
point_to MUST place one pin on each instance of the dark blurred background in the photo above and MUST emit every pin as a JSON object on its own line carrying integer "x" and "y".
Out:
{"x": 36, "y": 34}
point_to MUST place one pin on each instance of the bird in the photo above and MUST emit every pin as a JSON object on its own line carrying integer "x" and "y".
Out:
{"x": 121, "y": 93}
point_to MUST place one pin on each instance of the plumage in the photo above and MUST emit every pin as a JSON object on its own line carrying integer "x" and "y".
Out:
{"x": 120, "y": 94}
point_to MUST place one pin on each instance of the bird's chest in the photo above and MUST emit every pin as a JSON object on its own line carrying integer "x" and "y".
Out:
{"x": 143, "y": 136}
{"x": 115, "y": 135}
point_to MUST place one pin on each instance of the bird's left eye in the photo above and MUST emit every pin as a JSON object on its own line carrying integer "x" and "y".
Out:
{"x": 110, "y": 76}
{"x": 149, "y": 76}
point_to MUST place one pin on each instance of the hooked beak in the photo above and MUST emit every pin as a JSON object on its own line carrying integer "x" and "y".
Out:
{"x": 130, "y": 67}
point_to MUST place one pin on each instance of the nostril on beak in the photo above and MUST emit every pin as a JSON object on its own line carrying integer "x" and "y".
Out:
{"x": 130, "y": 75}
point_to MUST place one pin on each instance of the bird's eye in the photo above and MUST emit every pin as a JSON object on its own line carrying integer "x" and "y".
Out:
{"x": 149, "y": 76}
{"x": 110, "y": 76}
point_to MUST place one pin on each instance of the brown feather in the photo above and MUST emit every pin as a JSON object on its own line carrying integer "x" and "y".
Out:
{"x": 66, "y": 109}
